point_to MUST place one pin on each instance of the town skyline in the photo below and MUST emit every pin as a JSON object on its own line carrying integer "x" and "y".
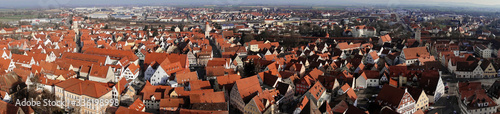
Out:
{"x": 27, "y": 4}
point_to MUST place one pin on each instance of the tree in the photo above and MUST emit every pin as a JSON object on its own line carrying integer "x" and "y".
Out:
{"x": 106, "y": 26}
{"x": 262, "y": 36}
{"x": 247, "y": 38}
{"x": 172, "y": 28}
{"x": 145, "y": 28}
{"x": 155, "y": 33}
{"x": 31, "y": 93}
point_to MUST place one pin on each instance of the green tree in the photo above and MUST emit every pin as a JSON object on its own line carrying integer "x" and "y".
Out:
{"x": 155, "y": 33}
{"x": 172, "y": 28}
{"x": 145, "y": 28}
{"x": 247, "y": 38}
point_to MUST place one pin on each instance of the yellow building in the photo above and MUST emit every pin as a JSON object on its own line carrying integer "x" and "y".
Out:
{"x": 421, "y": 98}
{"x": 489, "y": 70}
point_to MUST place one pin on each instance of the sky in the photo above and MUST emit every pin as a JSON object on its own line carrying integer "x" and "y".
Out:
{"x": 60, "y": 3}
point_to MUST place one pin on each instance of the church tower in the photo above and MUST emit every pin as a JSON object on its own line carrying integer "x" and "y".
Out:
{"x": 418, "y": 35}
{"x": 207, "y": 30}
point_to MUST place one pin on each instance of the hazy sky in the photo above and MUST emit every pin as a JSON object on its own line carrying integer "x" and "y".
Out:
{"x": 58, "y": 3}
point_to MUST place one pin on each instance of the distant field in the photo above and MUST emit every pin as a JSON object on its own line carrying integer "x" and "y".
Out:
{"x": 6, "y": 10}
{"x": 16, "y": 17}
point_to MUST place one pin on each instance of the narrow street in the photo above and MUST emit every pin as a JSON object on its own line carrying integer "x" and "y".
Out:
{"x": 215, "y": 49}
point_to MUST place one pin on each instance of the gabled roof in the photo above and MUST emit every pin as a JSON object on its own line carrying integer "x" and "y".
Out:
{"x": 374, "y": 55}
{"x": 117, "y": 54}
{"x": 416, "y": 52}
{"x": 248, "y": 87}
{"x": 386, "y": 38}
{"x": 138, "y": 105}
{"x": 89, "y": 88}
{"x": 352, "y": 95}
{"x": 185, "y": 76}
{"x": 171, "y": 102}
{"x": 371, "y": 74}
{"x": 345, "y": 87}
{"x": 390, "y": 95}
{"x": 170, "y": 68}
{"x": 121, "y": 85}
{"x": 317, "y": 90}
{"x": 8, "y": 108}
{"x": 207, "y": 97}
{"x": 134, "y": 68}
{"x": 199, "y": 85}
{"x": 354, "y": 110}
{"x": 485, "y": 64}
{"x": 415, "y": 92}
{"x": 315, "y": 73}
{"x": 85, "y": 57}
{"x": 193, "y": 111}
{"x": 229, "y": 79}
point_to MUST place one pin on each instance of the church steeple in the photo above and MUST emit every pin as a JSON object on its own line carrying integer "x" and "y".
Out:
{"x": 208, "y": 28}
{"x": 418, "y": 34}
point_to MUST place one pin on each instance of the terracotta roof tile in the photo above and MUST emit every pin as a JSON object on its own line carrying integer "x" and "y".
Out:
{"x": 138, "y": 105}
{"x": 207, "y": 97}
{"x": 199, "y": 85}
{"x": 229, "y": 79}
{"x": 415, "y": 53}
{"x": 390, "y": 96}
{"x": 186, "y": 76}
{"x": 370, "y": 74}
{"x": 89, "y": 88}
{"x": 171, "y": 102}
{"x": 248, "y": 87}
{"x": 191, "y": 111}
{"x": 124, "y": 110}
{"x": 116, "y": 54}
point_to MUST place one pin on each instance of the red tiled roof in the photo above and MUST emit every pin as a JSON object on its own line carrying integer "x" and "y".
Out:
{"x": 207, "y": 97}
{"x": 185, "y": 76}
{"x": 124, "y": 110}
{"x": 190, "y": 111}
{"x": 85, "y": 57}
{"x": 89, "y": 88}
{"x": 7, "y": 108}
{"x": 171, "y": 102}
{"x": 99, "y": 71}
{"x": 374, "y": 55}
{"x": 315, "y": 73}
{"x": 138, "y": 105}
{"x": 416, "y": 52}
{"x": 390, "y": 96}
{"x": 386, "y": 38}
{"x": 229, "y": 79}
{"x": 341, "y": 107}
{"x": 199, "y": 85}
{"x": 122, "y": 85}
{"x": 117, "y": 54}
{"x": 215, "y": 71}
{"x": 170, "y": 68}
{"x": 247, "y": 87}
{"x": 317, "y": 90}
{"x": 370, "y": 74}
